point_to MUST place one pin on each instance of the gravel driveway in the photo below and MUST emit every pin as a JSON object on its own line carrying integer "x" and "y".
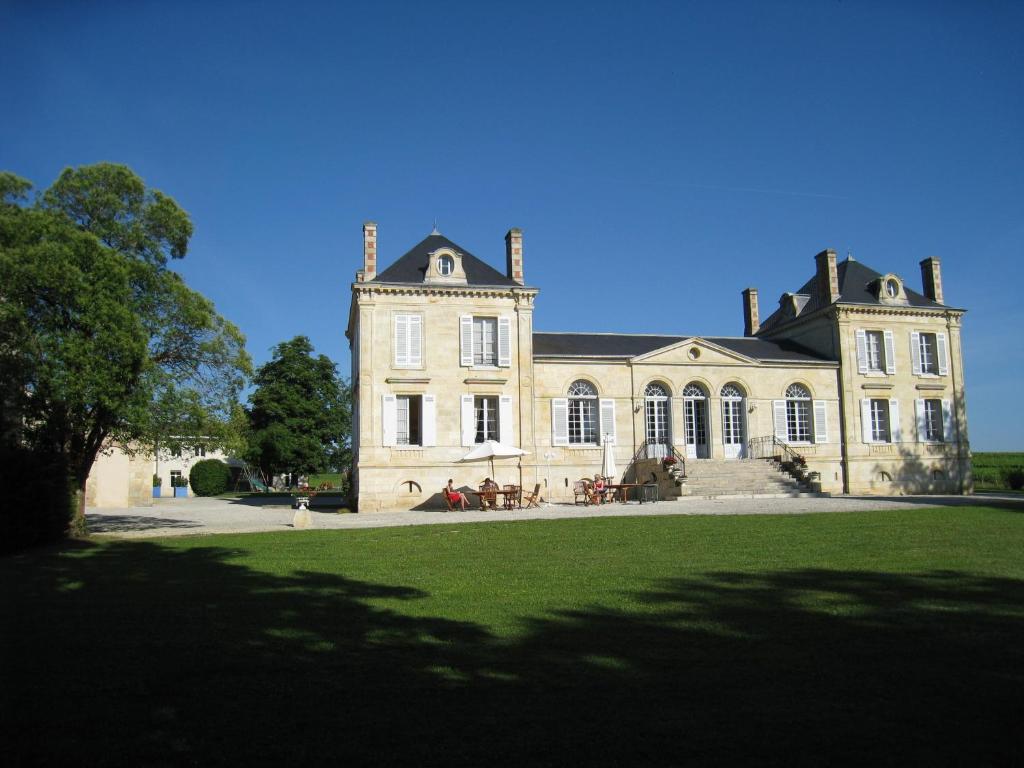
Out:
{"x": 180, "y": 517}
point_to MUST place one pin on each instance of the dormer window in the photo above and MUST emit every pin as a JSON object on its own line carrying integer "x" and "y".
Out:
{"x": 445, "y": 265}
{"x": 892, "y": 288}
{"x": 889, "y": 289}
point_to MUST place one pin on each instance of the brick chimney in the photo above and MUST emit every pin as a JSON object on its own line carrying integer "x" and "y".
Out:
{"x": 931, "y": 278}
{"x": 369, "y": 251}
{"x": 514, "y": 254}
{"x": 828, "y": 276}
{"x": 751, "y": 324}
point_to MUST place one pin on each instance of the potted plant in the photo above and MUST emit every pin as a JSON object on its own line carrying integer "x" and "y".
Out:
{"x": 157, "y": 482}
{"x": 180, "y": 487}
{"x": 668, "y": 461}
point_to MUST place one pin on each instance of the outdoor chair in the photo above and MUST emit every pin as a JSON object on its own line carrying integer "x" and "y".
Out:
{"x": 533, "y": 499}
{"x": 513, "y": 496}
{"x": 580, "y": 491}
{"x": 448, "y": 501}
{"x": 488, "y": 498}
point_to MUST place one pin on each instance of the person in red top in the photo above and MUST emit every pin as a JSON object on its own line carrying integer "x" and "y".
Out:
{"x": 599, "y": 489}
{"x": 455, "y": 496}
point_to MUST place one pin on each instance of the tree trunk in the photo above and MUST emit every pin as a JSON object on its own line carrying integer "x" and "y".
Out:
{"x": 77, "y": 527}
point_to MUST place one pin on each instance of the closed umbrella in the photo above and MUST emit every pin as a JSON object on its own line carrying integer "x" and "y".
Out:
{"x": 608, "y": 468}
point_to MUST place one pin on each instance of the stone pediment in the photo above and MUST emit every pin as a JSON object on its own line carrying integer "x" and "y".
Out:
{"x": 694, "y": 351}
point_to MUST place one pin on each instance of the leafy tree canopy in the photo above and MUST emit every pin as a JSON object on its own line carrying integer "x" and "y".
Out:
{"x": 99, "y": 342}
{"x": 301, "y": 412}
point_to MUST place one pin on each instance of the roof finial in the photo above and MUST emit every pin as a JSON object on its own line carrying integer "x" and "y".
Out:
{"x": 435, "y": 231}
{"x": 849, "y": 255}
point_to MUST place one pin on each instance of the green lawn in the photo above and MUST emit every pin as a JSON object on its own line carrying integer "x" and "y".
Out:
{"x": 837, "y": 638}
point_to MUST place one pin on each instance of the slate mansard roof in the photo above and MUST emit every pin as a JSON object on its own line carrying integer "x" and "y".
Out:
{"x": 855, "y": 281}
{"x": 412, "y": 267}
{"x": 619, "y": 346}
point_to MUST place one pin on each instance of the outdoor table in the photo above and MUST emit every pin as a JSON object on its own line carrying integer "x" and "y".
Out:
{"x": 623, "y": 490}
{"x": 506, "y": 502}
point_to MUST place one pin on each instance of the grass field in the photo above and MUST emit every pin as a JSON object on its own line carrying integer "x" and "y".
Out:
{"x": 990, "y": 468}
{"x": 836, "y": 638}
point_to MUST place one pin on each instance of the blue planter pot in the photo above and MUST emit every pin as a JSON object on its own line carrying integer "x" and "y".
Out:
{"x": 156, "y": 491}
{"x": 180, "y": 492}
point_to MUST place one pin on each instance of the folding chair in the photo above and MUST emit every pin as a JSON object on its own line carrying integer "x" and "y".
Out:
{"x": 579, "y": 490}
{"x": 533, "y": 499}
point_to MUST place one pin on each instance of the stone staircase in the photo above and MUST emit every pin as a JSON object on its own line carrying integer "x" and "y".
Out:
{"x": 712, "y": 478}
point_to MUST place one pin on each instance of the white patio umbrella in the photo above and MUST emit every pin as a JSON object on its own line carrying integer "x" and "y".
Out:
{"x": 608, "y": 468}
{"x": 491, "y": 450}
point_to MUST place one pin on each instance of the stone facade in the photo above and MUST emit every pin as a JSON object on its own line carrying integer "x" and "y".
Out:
{"x": 119, "y": 479}
{"x": 441, "y": 342}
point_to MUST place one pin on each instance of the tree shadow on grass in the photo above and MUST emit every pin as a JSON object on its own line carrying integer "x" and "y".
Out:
{"x": 143, "y": 653}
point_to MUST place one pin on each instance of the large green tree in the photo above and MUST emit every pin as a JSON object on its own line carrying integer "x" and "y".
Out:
{"x": 301, "y": 412}
{"x": 99, "y": 341}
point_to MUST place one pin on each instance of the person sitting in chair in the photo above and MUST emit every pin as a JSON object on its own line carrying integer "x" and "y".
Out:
{"x": 488, "y": 497}
{"x": 598, "y": 489}
{"x": 455, "y": 496}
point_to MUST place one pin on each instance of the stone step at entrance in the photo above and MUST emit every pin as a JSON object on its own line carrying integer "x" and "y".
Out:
{"x": 713, "y": 478}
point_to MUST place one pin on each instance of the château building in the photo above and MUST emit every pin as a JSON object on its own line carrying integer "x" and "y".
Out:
{"x": 856, "y": 372}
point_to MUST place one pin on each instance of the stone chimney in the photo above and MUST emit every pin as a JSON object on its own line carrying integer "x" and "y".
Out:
{"x": 931, "y": 278}
{"x": 828, "y": 276}
{"x": 369, "y": 251}
{"x": 751, "y": 323}
{"x": 514, "y": 254}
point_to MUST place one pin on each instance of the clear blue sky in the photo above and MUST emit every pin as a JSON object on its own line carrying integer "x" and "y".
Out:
{"x": 659, "y": 157}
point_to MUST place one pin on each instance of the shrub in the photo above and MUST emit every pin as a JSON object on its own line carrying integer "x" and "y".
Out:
{"x": 1014, "y": 478}
{"x": 209, "y": 477}
{"x": 157, "y": 481}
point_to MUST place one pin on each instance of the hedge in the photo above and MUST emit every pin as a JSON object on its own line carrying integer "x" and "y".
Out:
{"x": 209, "y": 477}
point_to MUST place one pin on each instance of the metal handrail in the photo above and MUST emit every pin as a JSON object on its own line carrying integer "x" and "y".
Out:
{"x": 641, "y": 455}
{"x": 770, "y": 447}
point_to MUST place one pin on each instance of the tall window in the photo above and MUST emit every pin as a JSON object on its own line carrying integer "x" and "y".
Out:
{"x": 933, "y": 421}
{"x": 407, "y": 428}
{"x": 929, "y": 358}
{"x": 695, "y": 417}
{"x": 732, "y": 415}
{"x": 798, "y": 414}
{"x": 486, "y": 411}
{"x": 582, "y": 413}
{"x": 880, "y": 421}
{"x": 485, "y": 341}
{"x": 656, "y": 413}
{"x": 875, "y": 348}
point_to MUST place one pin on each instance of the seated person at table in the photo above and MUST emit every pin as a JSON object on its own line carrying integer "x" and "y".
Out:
{"x": 487, "y": 490}
{"x": 599, "y": 490}
{"x": 455, "y": 496}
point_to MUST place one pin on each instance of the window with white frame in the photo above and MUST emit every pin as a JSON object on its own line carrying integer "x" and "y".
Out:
{"x": 485, "y": 341}
{"x": 880, "y": 421}
{"x": 875, "y": 351}
{"x": 656, "y": 412}
{"x": 485, "y": 410}
{"x": 931, "y": 413}
{"x": 408, "y": 341}
{"x": 929, "y": 353}
{"x": 582, "y": 413}
{"x": 408, "y": 410}
{"x": 798, "y": 414}
{"x": 200, "y": 451}
{"x": 732, "y": 414}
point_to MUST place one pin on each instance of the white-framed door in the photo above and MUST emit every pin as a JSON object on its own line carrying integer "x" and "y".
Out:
{"x": 734, "y": 432}
{"x": 657, "y": 421}
{"x": 695, "y": 415}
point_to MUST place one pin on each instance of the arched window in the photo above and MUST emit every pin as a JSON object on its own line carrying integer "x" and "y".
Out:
{"x": 657, "y": 420}
{"x": 694, "y": 390}
{"x": 732, "y": 419}
{"x": 695, "y": 420}
{"x": 798, "y": 414}
{"x": 582, "y": 413}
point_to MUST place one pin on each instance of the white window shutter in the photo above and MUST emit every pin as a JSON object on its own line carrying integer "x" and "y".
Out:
{"x": 401, "y": 341}
{"x": 895, "y": 433}
{"x": 466, "y": 337}
{"x": 389, "y": 419}
{"x": 865, "y": 419}
{"x": 943, "y": 353}
{"x": 820, "y": 421}
{"x": 504, "y": 342}
{"x": 415, "y": 326}
{"x": 890, "y": 353}
{"x": 608, "y": 421}
{"x": 922, "y": 420}
{"x": 428, "y": 418}
{"x": 915, "y": 352}
{"x": 947, "y": 422}
{"x": 468, "y": 421}
{"x": 862, "y": 352}
{"x": 506, "y": 429}
{"x": 560, "y": 421}
{"x": 779, "y": 417}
